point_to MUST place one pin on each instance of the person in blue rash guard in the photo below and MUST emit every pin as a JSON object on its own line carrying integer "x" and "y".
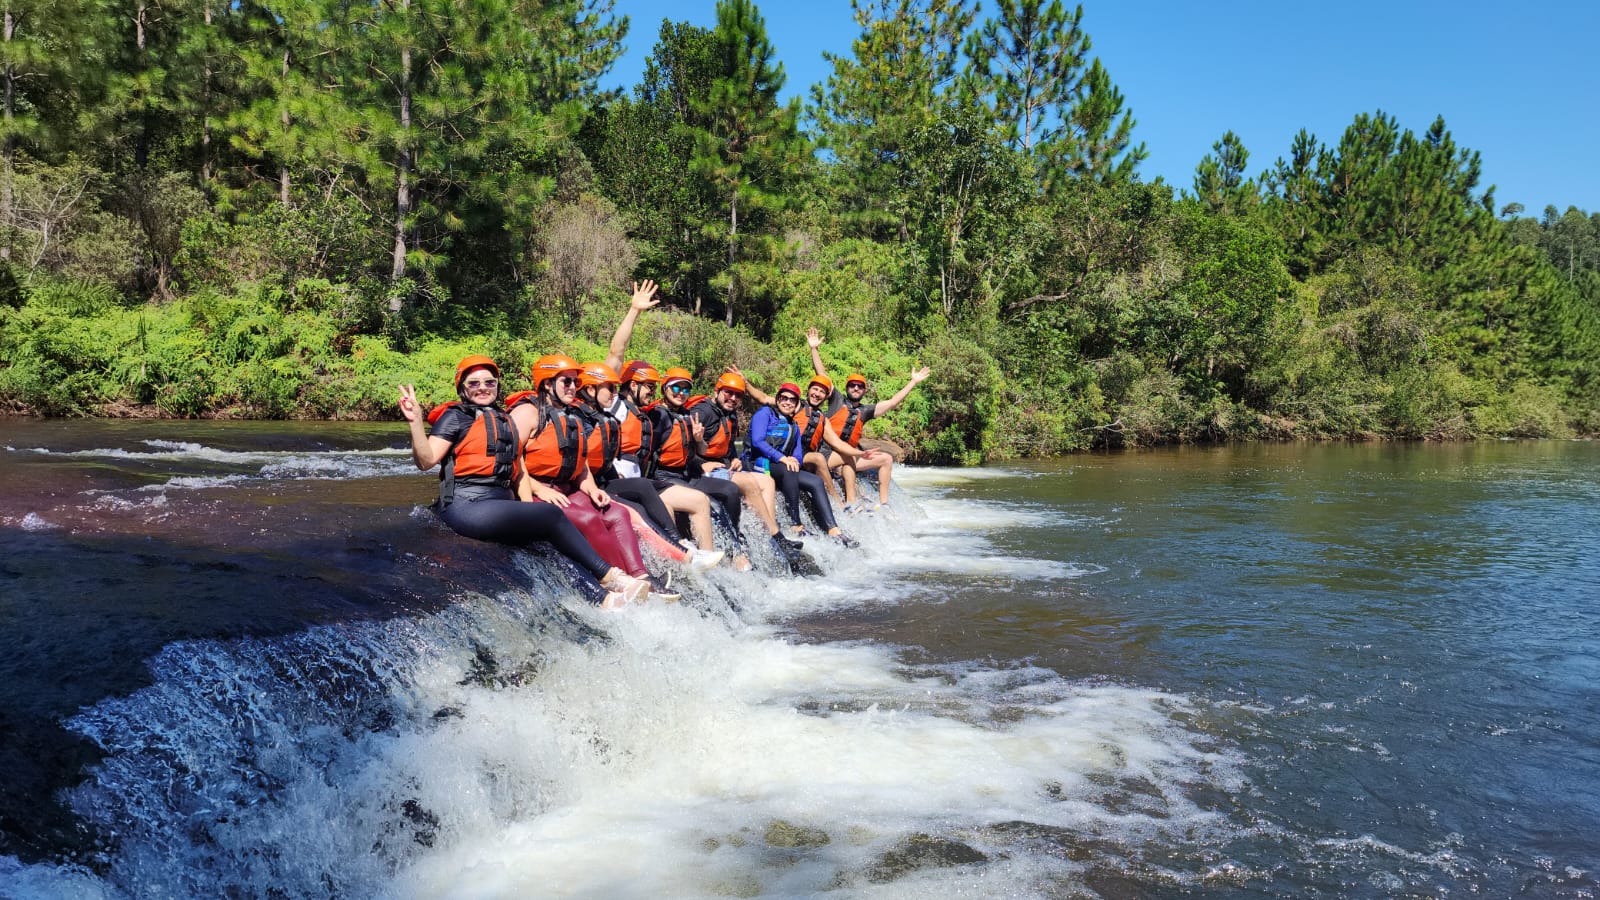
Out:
{"x": 774, "y": 448}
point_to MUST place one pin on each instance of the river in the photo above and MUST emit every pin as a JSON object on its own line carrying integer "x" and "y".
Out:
{"x": 242, "y": 659}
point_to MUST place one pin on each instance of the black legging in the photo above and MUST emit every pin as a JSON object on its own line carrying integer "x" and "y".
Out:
{"x": 643, "y": 495}
{"x": 493, "y": 515}
{"x": 792, "y": 483}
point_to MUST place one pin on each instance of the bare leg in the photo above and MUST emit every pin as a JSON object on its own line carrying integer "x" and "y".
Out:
{"x": 847, "y": 472}
{"x": 818, "y": 463}
{"x": 758, "y": 491}
{"x": 697, "y": 506}
{"x": 884, "y": 465}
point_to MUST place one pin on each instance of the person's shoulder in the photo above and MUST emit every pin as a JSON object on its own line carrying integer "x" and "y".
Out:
{"x": 450, "y": 422}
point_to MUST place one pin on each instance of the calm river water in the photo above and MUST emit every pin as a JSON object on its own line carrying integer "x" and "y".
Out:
{"x": 244, "y": 660}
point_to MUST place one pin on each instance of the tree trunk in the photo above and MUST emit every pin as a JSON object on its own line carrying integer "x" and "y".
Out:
{"x": 205, "y": 109}
{"x": 403, "y": 173}
{"x": 283, "y": 117}
{"x": 733, "y": 243}
{"x": 141, "y": 147}
{"x": 8, "y": 200}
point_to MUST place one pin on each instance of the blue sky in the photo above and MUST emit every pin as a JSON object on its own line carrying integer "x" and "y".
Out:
{"x": 1517, "y": 81}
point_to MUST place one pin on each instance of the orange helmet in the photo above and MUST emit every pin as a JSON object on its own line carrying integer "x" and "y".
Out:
{"x": 475, "y": 362}
{"x": 856, "y": 378}
{"x": 731, "y": 381}
{"x": 550, "y": 366}
{"x": 639, "y": 370}
{"x": 823, "y": 380}
{"x": 676, "y": 373}
{"x": 595, "y": 374}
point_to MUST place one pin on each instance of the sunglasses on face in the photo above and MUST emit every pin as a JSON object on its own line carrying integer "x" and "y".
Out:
{"x": 679, "y": 388}
{"x": 480, "y": 385}
{"x": 788, "y": 398}
{"x": 565, "y": 380}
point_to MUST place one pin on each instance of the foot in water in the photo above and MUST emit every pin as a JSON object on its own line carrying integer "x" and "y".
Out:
{"x": 701, "y": 560}
{"x": 797, "y": 560}
{"x": 845, "y": 539}
{"x": 623, "y": 589}
{"x": 661, "y": 589}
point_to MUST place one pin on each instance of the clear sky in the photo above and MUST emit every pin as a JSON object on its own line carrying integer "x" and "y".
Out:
{"x": 1517, "y": 81}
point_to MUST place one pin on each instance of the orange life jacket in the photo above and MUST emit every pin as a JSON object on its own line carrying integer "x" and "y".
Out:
{"x": 849, "y": 423}
{"x": 553, "y": 453}
{"x": 719, "y": 437}
{"x": 810, "y": 422}
{"x": 674, "y": 444}
{"x": 637, "y": 433}
{"x": 600, "y": 440}
{"x": 485, "y": 454}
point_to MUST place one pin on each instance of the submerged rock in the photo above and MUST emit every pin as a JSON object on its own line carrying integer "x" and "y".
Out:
{"x": 923, "y": 851}
{"x": 785, "y": 834}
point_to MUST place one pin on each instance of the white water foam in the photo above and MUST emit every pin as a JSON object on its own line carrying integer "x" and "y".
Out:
{"x": 284, "y": 465}
{"x": 505, "y": 748}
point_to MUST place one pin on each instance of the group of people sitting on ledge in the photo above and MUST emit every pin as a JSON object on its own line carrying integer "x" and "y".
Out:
{"x": 590, "y": 461}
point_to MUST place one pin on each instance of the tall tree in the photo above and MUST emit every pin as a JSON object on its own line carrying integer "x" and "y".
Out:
{"x": 901, "y": 75}
{"x": 1219, "y": 179}
{"x": 40, "y": 41}
{"x": 1029, "y": 62}
{"x": 746, "y": 145}
{"x": 640, "y": 148}
{"x": 1099, "y": 139}
{"x": 438, "y": 88}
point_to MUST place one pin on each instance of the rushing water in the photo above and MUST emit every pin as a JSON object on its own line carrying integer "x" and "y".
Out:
{"x": 242, "y": 660}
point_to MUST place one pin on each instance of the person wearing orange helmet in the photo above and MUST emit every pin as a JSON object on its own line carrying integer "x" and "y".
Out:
{"x": 474, "y": 442}
{"x": 597, "y": 388}
{"x": 775, "y": 448}
{"x": 818, "y": 439}
{"x": 637, "y": 440}
{"x": 849, "y": 414}
{"x": 556, "y": 468}
{"x": 681, "y": 449}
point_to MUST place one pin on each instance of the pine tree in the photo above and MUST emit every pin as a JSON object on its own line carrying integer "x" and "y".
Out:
{"x": 40, "y": 42}
{"x": 1219, "y": 180}
{"x": 1099, "y": 140}
{"x": 746, "y": 145}
{"x": 1029, "y": 63}
{"x": 900, "y": 77}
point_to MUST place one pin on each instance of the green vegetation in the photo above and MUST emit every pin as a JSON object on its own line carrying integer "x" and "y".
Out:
{"x": 285, "y": 208}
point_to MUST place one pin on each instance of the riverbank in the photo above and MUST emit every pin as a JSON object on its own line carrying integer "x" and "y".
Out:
{"x": 315, "y": 352}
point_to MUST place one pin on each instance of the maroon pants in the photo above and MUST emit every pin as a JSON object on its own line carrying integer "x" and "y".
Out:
{"x": 609, "y": 530}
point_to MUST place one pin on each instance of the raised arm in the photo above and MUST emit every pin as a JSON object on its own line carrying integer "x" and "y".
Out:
{"x": 917, "y": 377}
{"x": 814, "y": 340}
{"x": 426, "y": 450}
{"x": 644, "y": 297}
{"x": 756, "y": 394}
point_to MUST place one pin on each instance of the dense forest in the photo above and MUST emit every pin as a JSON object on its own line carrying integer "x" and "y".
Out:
{"x": 284, "y": 208}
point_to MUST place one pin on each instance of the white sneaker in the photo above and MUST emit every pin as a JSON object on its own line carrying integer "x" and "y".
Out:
{"x": 701, "y": 560}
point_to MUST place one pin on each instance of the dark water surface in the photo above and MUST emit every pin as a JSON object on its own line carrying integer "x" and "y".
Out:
{"x": 241, "y": 659}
